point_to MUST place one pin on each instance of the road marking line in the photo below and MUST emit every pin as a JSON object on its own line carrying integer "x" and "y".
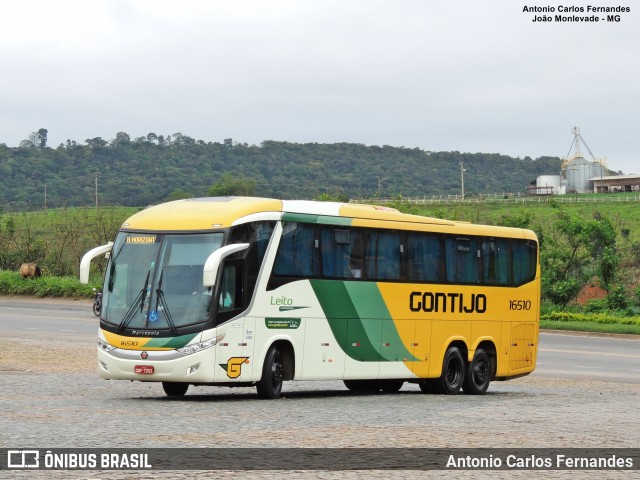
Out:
{"x": 588, "y": 352}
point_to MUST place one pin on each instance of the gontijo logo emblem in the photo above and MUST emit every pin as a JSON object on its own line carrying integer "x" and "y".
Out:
{"x": 233, "y": 366}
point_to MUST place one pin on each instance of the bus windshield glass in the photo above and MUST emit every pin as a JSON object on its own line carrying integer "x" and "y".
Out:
{"x": 154, "y": 281}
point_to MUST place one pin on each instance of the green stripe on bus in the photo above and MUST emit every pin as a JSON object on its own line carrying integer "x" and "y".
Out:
{"x": 320, "y": 219}
{"x": 173, "y": 342}
{"x": 370, "y": 304}
{"x": 360, "y": 321}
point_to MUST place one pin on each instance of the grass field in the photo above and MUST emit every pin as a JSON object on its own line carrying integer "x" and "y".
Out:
{"x": 62, "y": 236}
{"x": 622, "y": 210}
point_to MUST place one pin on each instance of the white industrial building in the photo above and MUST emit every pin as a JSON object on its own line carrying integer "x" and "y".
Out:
{"x": 577, "y": 174}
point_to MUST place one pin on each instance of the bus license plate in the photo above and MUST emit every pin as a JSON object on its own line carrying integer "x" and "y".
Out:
{"x": 144, "y": 369}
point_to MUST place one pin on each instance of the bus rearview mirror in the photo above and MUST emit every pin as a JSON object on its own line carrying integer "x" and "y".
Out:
{"x": 212, "y": 264}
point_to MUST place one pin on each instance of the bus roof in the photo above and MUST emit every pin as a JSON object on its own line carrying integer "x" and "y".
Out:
{"x": 196, "y": 214}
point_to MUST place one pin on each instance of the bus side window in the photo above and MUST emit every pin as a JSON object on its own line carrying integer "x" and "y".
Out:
{"x": 341, "y": 252}
{"x": 383, "y": 257}
{"x": 463, "y": 260}
{"x": 425, "y": 262}
{"x": 297, "y": 254}
{"x": 496, "y": 261}
{"x": 525, "y": 260}
{"x": 257, "y": 235}
{"x": 230, "y": 298}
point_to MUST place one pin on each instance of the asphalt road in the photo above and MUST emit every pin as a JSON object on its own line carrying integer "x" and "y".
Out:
{"x": 560, "y": 355}
{"x": 50, "y": 396}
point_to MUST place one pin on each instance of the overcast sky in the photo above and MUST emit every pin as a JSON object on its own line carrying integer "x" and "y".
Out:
{"x": 465, "y": 75}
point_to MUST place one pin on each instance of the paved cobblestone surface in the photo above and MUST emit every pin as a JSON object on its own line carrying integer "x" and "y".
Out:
{"x": 50, "y": 396}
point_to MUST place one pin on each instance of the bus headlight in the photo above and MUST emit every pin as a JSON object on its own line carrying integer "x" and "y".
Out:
{"x": 104, "y": 346}
{"x": 196, "y": 347}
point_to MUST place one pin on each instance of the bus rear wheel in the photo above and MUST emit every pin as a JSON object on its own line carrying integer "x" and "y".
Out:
{"x": 175, "y": 389}
{"x": 270, "y": 385}
{"x": 453, "y": 370}
{"x": 478, "y": 375}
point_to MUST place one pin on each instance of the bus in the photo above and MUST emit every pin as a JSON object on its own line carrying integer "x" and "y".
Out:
{"x": 242, "y": 291}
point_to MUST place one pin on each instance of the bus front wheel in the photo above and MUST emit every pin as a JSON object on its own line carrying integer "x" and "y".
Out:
{"x": 175, "y": 389}
{"x": 270, "y": 385}
{"x": 478, "y": 375}
{"x": 453, "y": 370}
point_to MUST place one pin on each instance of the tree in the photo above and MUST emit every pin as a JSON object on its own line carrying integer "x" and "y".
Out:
{"x": 178, "y": 194}
{"x": 230, "y": 185}
{"x": 122, "y": 138}
{"x": 31, "y": 142}
{"x": 573, "y": 252}
{"x": 96, "y": 142}
{"x": 41, "y": 136}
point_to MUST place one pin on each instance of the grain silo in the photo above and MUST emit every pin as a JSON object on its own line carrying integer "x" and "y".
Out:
{"x": 577, "y": 170}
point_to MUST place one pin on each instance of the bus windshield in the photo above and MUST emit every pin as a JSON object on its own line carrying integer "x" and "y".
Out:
{"x": 154, "y": 281}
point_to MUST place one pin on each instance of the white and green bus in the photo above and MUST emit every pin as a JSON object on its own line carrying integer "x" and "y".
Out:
{"x": 254, "y": 292}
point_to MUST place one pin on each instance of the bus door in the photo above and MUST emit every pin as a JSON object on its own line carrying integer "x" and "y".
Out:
{"x": 234, "y": 354}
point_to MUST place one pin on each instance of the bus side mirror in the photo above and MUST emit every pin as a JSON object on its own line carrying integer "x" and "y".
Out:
{"x": 85, "y": 263}
{"x": 212, "y": 264}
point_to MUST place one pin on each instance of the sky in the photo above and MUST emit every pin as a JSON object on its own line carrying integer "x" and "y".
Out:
{"x": 440, "y": 75}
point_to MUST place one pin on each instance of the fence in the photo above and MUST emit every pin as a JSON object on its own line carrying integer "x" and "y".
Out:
{"x": 500, "y": 198}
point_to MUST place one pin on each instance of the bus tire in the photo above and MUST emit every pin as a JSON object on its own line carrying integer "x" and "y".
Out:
{"x": 270, "y": 385}
{"x": 390, "y": 386}
{"x": 428, "y": 385}
{"x": 362, "y": 385}
{"x": 478, "y": 374}
{"x": 175, "y": 389}
{"x": 453, "y": 370}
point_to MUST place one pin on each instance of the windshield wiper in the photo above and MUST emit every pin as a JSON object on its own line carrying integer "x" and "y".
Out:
{"x": 163, "y": 303}
{"x": 139, "y": 301}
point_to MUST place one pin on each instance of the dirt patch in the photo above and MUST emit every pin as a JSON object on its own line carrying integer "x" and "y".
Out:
{"x": 43, "y": 356}
{"x": 591, "y": 291}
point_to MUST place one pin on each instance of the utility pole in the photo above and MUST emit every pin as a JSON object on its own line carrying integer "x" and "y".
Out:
{"x": 96, "y": 175}
{"x": 45, "y": 198}
{"x": 380, "y": 180}
{"x": 462, "y": 178}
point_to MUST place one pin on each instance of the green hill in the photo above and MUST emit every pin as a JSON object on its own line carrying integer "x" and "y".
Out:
{"x": 149, "y": 169}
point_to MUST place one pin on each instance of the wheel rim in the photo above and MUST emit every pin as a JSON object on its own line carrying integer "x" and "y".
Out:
{"x": 276, "y": 372}
{"x": 480, "y": 372}
{"x": 453, "y": 373}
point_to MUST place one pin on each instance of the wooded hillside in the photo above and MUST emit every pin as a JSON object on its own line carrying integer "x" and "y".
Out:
{"x": 147, "y": 170}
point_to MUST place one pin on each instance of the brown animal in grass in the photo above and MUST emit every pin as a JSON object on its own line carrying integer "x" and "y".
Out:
{"x": 30, "y": 270}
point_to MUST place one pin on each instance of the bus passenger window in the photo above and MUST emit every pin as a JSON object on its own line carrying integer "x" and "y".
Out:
{"x": 496, "y": 261}
{"x": 341, "y": 253}
{"x": 297, "y": 254}
{"x": 463, "y": 260}
{"x": 382, "y": 255}
{"x": 524, "y": 261}
{"x": 424, "y": 258}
